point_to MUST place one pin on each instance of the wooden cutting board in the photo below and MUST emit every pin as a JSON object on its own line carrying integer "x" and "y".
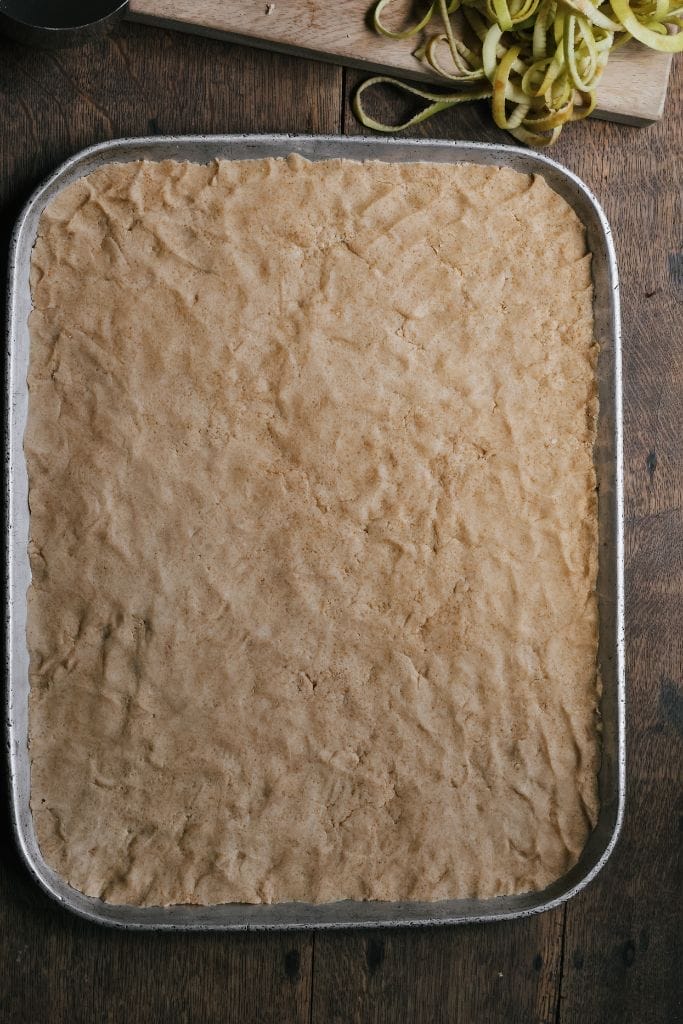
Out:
{"x": 632, "y": 89}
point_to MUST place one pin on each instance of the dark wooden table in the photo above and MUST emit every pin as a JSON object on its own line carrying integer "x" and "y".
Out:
{"x": 613, "y": 954}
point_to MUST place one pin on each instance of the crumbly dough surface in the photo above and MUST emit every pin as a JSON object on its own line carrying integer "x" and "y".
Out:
{"x": 313, "y": 533}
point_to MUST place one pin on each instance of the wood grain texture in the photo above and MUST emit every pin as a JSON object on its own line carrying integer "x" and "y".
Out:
{"x": 632, "y": 90}
{"x": 57, "y": 969}
{"x": 138, "y": 81}
{"x": 623, "y": 939}
{"x": 617, "y": 955}
{"x": 498, "y": 974}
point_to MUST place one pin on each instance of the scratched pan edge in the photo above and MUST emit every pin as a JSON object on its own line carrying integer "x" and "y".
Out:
{"x": 608, "y": 461}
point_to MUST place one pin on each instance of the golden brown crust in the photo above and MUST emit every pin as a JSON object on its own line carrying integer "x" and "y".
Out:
{"x": 313, "y": 533}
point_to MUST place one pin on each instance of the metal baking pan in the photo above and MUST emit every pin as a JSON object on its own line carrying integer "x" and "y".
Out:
{"x": 608, "y": 461}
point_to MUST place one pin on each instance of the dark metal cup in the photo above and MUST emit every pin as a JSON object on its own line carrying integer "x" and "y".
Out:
{"x": 55, "y": 23}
